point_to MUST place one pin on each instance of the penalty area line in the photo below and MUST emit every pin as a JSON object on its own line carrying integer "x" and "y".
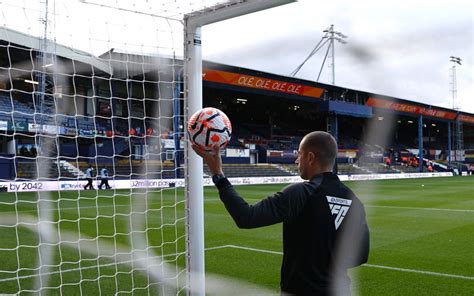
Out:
{"x": 456, "y": 276}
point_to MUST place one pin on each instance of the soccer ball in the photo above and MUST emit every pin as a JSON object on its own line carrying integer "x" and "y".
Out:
{"x": 209, "y": 127}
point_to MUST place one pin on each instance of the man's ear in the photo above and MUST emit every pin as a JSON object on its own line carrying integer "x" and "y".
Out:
{"x": 311, "y": 157}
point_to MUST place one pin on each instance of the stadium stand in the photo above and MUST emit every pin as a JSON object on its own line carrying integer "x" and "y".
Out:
{"x": 109, "y": 122}
{"x": 28, "y": 170}
{"x": 134, "y": 169}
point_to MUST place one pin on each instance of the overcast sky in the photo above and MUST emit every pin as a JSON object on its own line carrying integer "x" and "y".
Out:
{"x": 396, "y": 48}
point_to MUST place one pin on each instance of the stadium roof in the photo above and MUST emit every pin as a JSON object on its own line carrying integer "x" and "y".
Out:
{"x": 128, "y": 64}
{"x": 33, "y": 42}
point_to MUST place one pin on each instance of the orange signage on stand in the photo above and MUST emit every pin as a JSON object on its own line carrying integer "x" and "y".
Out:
{"x": 385, "y": 104}
{"x": 261, "y": 83}
{"x": 465, "y": 118}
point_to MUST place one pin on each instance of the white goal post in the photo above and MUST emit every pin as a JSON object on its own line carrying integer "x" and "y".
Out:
{"x": 193, "y": 92}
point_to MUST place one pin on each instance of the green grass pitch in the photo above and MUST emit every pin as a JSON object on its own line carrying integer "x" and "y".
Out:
{"x": 422, "y": 239}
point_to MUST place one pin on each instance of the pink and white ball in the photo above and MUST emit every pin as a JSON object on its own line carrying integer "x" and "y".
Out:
{"x": 209, "y": 127}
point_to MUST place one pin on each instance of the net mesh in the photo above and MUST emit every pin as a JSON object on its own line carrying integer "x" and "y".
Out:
{"x": 92, "y": 91}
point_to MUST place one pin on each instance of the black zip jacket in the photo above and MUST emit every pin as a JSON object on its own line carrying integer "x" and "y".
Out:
{"x": 324, "y": 232}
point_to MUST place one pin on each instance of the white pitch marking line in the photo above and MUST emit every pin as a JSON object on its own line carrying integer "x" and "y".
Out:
{"x": 456, "y": 276}
{"x": 255, "y": 250}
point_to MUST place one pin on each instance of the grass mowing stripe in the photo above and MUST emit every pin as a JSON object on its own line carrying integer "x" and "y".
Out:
{"x": 377, "y": 206}
{"x": 464, "y": 277}
{"x": 250, "y": 199}
{"x": 87, "y": 267}
{"x": 93, "y": 207}
{"x": 420, "y": 208}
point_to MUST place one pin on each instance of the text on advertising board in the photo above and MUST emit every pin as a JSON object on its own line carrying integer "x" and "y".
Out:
{"x": 261, "y": 83}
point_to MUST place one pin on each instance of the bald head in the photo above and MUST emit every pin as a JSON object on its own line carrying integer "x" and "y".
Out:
{"x": 323, "y": 145}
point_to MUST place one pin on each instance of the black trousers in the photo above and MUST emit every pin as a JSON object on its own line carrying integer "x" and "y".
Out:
{"x": 104, "y": 182}
{"x": 89, "y": 184}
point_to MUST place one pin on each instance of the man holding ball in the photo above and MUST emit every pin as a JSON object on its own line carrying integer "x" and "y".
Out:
{"x": 324, "y": 225}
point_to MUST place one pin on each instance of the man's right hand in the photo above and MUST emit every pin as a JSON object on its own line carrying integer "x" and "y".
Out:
{"x": 212, "y": 158}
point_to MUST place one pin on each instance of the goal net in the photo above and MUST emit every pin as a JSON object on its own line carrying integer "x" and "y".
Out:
{"x": 92, "y": 153}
